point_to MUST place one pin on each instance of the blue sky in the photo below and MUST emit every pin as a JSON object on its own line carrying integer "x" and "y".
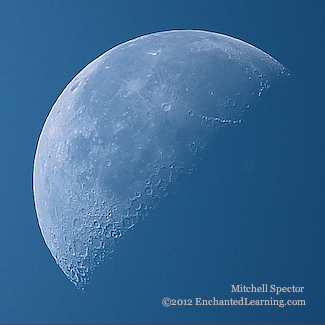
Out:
{"x": 263, "y": 223}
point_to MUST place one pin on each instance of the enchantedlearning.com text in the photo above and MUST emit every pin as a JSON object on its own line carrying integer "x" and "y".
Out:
{"x": 242, "y": 301}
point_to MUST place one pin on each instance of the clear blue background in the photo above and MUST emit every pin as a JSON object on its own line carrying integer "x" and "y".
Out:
{"x": 257, "y": 218}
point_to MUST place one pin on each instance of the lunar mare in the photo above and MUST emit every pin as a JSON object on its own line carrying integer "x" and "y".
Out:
{"x": 127, "y": 125}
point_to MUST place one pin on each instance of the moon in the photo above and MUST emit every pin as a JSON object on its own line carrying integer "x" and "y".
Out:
{"x": 127, "y": 126}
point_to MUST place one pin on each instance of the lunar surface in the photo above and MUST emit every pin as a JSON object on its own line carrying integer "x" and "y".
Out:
{"x": 124, "y": 129}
